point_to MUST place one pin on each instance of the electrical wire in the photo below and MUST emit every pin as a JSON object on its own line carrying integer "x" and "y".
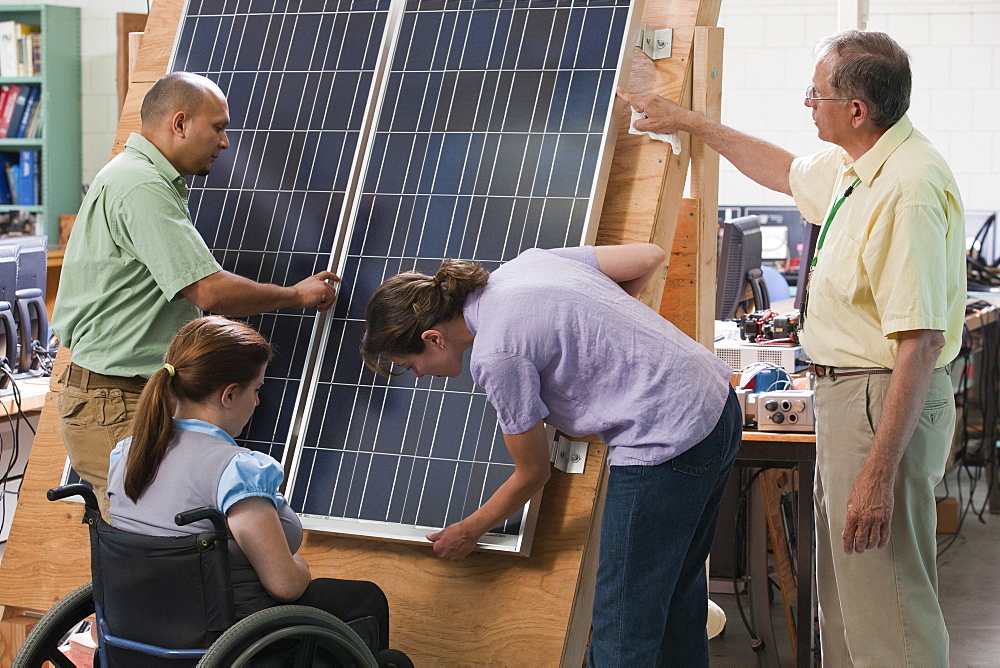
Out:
{"x": 973, "y": 464}
{"x": 15, "y": 441}
{"x": 756, "y": 642}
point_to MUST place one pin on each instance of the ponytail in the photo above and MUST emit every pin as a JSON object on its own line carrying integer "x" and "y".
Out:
{"x": 207, "y": 354}
{"x": 407, "y": 305}
{"x": 151, "y": 429}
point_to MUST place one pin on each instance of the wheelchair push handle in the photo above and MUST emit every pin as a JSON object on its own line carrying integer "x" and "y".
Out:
{"x": 188, "y": 516}
{"x": 78, "y": 489}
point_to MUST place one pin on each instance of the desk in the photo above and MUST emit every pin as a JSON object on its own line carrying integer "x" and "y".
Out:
{"x": 15, "y": 444}
{"x": 33, "y": 392}
{"x": 781, "y": 450}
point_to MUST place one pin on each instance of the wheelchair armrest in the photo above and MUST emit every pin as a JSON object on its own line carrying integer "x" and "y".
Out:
{"x": 188, "y": 516}
{"x": 79, "y": 489}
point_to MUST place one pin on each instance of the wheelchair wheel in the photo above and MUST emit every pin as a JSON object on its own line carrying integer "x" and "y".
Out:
{"x": 289, "y": 635}
{"x": 42, "y": 644}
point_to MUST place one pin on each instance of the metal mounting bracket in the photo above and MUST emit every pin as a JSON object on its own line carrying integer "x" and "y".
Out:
{"x": 571, "y": 456}
{"x": 566, "y": 455}
{"x": 656, "y": 44}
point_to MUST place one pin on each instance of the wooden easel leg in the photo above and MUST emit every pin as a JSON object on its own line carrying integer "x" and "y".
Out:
{"x": 13, "y": 631}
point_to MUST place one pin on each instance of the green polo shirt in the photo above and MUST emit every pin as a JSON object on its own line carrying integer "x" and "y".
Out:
{"x": 132, "y": 250}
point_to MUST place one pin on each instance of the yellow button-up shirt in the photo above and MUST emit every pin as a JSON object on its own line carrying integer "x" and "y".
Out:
{"x": 894, "y": 257}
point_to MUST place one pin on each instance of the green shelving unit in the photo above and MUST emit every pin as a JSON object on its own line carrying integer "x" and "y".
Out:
{"x": 60, "y": 155}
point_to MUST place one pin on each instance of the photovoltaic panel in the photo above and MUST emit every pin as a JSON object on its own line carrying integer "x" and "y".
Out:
{"x": 298, "y": 75}
{"x": 489, "y": 139}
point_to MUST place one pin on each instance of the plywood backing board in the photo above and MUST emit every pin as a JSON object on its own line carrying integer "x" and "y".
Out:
{"x": 491, "y": 609}
{"x": 644, "y": 191}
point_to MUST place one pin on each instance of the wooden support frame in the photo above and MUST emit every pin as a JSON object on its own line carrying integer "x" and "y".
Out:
{"x": 491, "y": 609}
{"x": 126, "y": 25}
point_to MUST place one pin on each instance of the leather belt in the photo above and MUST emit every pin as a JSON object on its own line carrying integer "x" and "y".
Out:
{"x": 84, "y": 379}
{"x": 822, "y": 371}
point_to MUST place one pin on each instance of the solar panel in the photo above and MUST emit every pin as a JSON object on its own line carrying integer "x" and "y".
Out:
{"x": 298, "y": 76}
{"x": 491, "y": 135}
{"x": 489, "y": 139}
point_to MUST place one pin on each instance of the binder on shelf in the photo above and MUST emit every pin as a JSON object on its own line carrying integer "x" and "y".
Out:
{"x": 29, "y": 109}
{"x": 8, "y": 48}
{"x": 27, "y": 178}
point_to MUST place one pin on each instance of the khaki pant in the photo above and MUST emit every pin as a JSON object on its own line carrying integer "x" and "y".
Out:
{"x": 94, "y": 420}
{"x": 879, "y": 608}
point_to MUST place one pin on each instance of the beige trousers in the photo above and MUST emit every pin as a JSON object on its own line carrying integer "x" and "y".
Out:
{"x": 879, "y": 609}
{"x": 93, "y": 421}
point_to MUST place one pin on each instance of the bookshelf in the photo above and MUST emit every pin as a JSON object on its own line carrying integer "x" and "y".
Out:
{"x": 59, "y": 148}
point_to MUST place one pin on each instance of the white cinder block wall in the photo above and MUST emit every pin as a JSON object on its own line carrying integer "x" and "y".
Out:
{"x": 955, "y": 55}
{"x": 955, "y": 46}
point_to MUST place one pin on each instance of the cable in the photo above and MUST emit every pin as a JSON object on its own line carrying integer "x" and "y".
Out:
{"x": 15, "y": 442}
{"x": 988, "y": 376}
{"x": 755, "y": 641}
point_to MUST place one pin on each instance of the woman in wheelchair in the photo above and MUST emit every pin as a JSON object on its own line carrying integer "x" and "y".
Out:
{"x": 182, "y": 455}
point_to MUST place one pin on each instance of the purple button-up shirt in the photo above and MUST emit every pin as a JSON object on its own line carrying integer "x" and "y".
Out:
{"x": 556, "y": 339}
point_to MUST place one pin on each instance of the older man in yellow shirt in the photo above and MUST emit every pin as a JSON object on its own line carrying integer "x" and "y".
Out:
{"x": 883, "y": 319}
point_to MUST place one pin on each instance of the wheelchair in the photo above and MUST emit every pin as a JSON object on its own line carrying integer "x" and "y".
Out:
{"x": 155, "y": 598}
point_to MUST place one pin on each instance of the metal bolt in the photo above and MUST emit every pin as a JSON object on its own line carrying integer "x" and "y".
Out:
{"x": 575, "y": 458}
{"x": 660, "y": 44}
{"x": 715, "y": 74}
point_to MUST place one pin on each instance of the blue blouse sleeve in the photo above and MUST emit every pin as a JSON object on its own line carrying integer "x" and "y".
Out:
{"x": 117, "y": 452}
{"x": 250, "y": 474}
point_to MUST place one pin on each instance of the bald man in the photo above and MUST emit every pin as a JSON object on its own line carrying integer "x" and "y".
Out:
{"x": 136, "y": 270}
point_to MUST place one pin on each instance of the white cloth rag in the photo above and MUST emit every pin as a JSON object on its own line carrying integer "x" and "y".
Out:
{"x": 671, "y": 138}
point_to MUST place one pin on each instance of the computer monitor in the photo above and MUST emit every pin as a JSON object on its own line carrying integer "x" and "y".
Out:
{"x": 808, "y": 251}
{"x": 739, "y": 276}
{"x": 29, "y": 310}
{"x": 31, "y": 265}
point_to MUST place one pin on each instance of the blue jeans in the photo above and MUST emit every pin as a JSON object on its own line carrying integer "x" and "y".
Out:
{"x": 651, "y": 603}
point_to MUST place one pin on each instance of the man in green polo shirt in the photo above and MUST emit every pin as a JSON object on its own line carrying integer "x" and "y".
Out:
{"x": 883, "y": 320}
{"x": 136, "y": 270}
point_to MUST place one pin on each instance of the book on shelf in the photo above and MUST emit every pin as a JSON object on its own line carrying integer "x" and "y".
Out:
{"x": 8, "y": 48}
{"x": 34, "y": 130}
{"x": 10, "y": 171}
{"x": 5, "y": 196}
{"x": 7, "y": 111}
{"x": 27, "y": 177}
{"x": 17, "y": 112}
{"x": 18, "y": 50}
{"x": 36, "y": 54}
{"x": 24, "y": 33}
{"x": 30, "y": 104}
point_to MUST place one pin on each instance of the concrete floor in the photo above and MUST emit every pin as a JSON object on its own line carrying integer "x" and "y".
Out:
{"x": 969, "y": 575}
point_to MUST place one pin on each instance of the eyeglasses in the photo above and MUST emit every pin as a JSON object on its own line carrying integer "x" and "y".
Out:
{"x": 812, "y": 96}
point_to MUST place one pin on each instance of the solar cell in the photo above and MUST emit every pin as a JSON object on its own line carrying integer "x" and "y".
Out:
{"x": 491, "y": 132}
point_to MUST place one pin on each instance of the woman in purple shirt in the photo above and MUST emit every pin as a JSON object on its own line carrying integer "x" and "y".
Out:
{"x": 557, "y": 337}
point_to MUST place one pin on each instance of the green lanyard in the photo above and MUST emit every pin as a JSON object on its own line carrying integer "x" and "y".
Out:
{"x": 829, "y": 219}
